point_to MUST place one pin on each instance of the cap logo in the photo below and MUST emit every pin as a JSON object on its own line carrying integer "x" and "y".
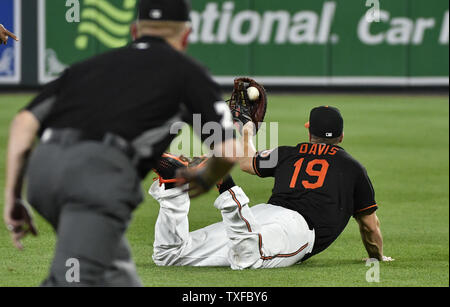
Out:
{"x": 142, "y": 46}
{"x": 156, "y": 14}
{"x": 328, "y": 134}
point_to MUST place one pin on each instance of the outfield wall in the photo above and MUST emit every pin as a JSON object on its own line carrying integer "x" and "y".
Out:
{"x": 289, "y": 42}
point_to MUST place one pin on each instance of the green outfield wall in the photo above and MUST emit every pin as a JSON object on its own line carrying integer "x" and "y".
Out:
{"x": 288, "y": 42}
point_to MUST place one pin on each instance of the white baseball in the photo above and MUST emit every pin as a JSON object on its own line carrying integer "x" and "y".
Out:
{"x": 253, "y": 93}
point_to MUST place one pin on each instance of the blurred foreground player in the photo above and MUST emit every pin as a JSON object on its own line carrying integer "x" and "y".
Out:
{"x": 318, "y": 187}
{"x": 5, "y": 34}
{"x": 102, "y": 125}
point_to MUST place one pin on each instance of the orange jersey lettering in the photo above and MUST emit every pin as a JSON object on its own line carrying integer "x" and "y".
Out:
{"x": 333, "y": 151}
{"x": 303, "y": 148}
{"x": 313, "y": 150}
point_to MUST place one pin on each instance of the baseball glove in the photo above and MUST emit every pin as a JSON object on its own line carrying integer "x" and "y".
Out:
{"x": 243, "y": 108}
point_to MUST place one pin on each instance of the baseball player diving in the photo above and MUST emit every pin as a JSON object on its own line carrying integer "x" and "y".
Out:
{"x": 318, "y": 187}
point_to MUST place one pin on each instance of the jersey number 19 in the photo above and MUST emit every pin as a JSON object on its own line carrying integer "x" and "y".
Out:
{"x": 320, "y": 174}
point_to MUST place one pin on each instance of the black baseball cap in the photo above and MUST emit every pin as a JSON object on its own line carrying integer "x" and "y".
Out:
{"x": 325, "y": 122}
{"x": 164, "y": 10}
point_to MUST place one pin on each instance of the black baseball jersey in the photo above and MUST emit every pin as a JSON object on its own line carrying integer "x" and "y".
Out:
{"x": 137, "y": 92}
{"x": 321, "y": 182}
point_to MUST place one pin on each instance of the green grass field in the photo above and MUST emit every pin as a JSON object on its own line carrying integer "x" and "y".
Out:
{"x": 402, "y": 140}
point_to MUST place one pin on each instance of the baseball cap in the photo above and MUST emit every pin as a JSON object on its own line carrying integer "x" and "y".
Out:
{"x": 164, "y": 10}
{"x": 325, "y": 122}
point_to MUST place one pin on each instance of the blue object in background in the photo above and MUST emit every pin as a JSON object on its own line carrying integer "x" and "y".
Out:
{"x": 10, "y": 54}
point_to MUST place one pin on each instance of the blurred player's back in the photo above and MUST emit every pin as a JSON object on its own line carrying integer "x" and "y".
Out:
{"x": 137, "y": 79}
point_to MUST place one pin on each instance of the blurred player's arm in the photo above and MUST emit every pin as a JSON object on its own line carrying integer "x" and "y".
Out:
{"x": 203, "y": 178}
{"x": 202, "y": 96}
{"x": 5, "y": 34}
{"x": 16, "y": 215}
{"x": 24, "y": 129}
{"x": 369, "y": 227}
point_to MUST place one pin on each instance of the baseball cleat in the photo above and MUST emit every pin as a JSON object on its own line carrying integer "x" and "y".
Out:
{"x": 167, "y": 166}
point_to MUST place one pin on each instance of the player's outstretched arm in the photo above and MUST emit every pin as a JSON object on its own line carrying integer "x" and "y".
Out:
{"x": 246, "y": 159}
{"x": 248, "y": 105}
{"x": 16, "y": 215}
{"x": 5, "y": 34}
{"x": 369, "y": 227}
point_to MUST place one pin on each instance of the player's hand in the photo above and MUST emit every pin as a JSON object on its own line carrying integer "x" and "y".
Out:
{"x": 198, "y": 181}
{"x": 19, "y": 221}
{"x": 383, "y": 259}
{"x": 248, "y": 106}
{"x": 5, "y": 34}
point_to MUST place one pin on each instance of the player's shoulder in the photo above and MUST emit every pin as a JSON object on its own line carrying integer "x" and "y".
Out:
{"x": 288, "y": 149}
{"x": 100, "y": 60}
{"x": 279, "y": 153}
{"x": 283, "y": 150}
{"x": 350, "y": 160}
{"x": 192, "y": 65}
{"x": 194, "y": 72}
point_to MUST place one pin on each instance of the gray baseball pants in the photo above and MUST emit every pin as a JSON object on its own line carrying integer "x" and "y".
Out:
{"x": 87, "y": 191}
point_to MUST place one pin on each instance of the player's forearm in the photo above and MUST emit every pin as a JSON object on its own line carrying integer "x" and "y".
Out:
{"x": 217, "y": 168}
{"x": 21, "y": 138}
{"x": 223, "y": 160}
{"x": 373, "y": 242}
{"x": 248, "y": 149}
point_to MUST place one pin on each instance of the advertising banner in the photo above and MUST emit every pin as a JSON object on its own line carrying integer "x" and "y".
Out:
{"x": 348, "y": 42}
{"x": 70, "y": 31}
{"x": 10, "y": 58}
{"x": 290, "y": 42}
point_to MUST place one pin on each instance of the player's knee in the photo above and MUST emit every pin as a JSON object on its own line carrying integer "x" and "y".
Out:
{"x": 166, "y": 257}
{"x": 76, "y": 272}
{"x": 244, "y": 254}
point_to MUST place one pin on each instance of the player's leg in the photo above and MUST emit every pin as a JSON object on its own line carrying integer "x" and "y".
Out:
{"x": 87, "y": 246}
{"x": 263, "y": 236}
{"x": 172, "y": 225}
{"x": 174, "y": 244}
{"x": 285, "y": 237}
{"x": 241, "y": 226}
{"x": 123, "y": 271}
{"x": 90, "y": 211}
